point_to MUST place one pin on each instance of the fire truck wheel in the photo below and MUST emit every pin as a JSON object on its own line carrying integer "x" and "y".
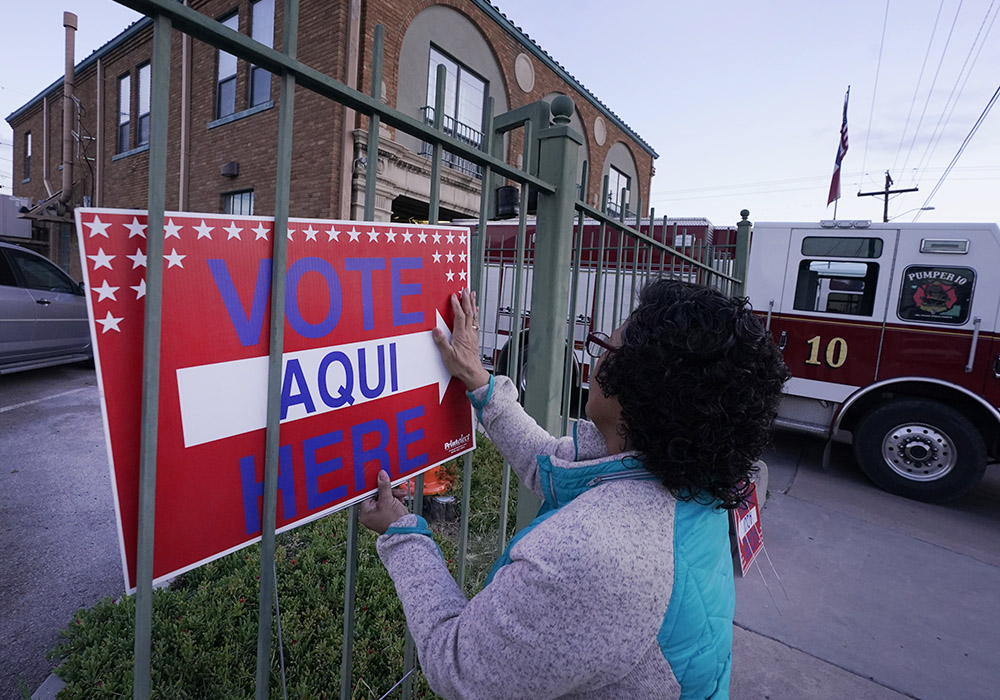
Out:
{"x": 920, "y": 449}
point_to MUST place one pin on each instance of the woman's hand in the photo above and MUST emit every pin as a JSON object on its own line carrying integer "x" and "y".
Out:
{"x": 461, "y": 355}
{"x": 382, "y": 510}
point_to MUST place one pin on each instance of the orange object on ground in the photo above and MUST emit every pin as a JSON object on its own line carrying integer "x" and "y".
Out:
{"x": 436, "y": 481}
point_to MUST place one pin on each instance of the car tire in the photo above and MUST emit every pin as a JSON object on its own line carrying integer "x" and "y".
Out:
{"x": 920, "y": 449}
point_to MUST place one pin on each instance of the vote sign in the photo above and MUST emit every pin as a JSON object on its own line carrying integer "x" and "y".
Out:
{"x": 363, "y": 385}
{"x": 747, "y": 529}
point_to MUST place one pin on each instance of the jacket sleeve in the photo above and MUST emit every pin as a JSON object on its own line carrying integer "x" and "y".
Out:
{"x": 516, "y": 434}
{"x": 553, "y": 621}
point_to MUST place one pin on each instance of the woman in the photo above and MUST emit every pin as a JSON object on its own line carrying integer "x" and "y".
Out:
{"x": 622, "y": 587}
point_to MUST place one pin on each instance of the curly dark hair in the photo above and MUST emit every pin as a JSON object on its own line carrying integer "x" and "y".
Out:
{"x": 698, "y": 379}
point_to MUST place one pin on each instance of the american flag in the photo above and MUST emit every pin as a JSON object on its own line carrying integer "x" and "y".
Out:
{"x": 841, "y": 152}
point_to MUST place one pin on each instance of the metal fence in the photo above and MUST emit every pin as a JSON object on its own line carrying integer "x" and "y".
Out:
{"x": 585, "y": 280}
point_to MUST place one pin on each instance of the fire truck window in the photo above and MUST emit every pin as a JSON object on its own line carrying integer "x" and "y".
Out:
{"x": 836, "y": 287}
{"x": 936, "y": 294}
{"x": 841, "y": 247}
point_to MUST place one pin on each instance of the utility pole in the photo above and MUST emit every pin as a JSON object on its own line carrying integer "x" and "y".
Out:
{"x": 886, "y": 192}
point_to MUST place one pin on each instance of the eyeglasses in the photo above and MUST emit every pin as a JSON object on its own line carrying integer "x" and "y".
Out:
{"x": 597, "y": 344}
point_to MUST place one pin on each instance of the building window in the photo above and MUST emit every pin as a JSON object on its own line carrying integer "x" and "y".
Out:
{"x": 618, "y": 181}
{"x": 225, "y": 90}
{"x": 464, "y": 95}
{"x": 144, "y": 95}
{"x": 238, "y": 203}
{"x": 124, "y": 111}
{"x": 262, "y": 30}
{"x": 27, "y": 155}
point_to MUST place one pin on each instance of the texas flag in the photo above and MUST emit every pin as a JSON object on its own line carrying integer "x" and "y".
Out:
{"x": 363, "y": 385}
{"x": 841, "y": 152}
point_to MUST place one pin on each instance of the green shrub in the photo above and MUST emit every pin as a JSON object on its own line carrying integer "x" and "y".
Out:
{"x": 205, "y": 623}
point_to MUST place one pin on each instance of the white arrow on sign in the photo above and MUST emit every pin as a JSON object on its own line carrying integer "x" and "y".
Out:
{"x": 224, "y": 399}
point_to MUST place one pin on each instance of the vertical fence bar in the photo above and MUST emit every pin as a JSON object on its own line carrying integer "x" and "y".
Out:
{"x": 741, "y": 254}
{"x": 635, "y": 255}
{"x": 276, "y": 337}
{"x": 351, "y": 573}
{"x": 159, "y": 104}
{"x": 599, "y": 290}
{"x": 574, "y": 287}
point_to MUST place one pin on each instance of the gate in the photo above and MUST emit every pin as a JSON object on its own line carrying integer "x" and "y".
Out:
{"x": 604, "y": 253}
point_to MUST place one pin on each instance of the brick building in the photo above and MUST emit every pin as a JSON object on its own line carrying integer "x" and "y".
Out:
{"x": 223, "y": 116}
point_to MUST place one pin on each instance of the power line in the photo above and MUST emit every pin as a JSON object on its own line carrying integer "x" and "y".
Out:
{"x": 930, "y": 92}
{"x": 968, "y": 138}
{"x": 878, "y": 68}
{"x": 916, "y": 90}
{"x": 936, "y": 136}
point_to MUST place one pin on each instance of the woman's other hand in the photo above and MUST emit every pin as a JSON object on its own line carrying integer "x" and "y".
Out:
{"x": 461, "y": 355}
{"x": 383, "y": 509}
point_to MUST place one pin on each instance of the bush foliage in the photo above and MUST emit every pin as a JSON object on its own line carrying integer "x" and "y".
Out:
{"x": 205, "y": 623}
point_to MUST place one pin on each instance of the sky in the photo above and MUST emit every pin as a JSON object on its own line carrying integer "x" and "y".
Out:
{"x": 742, "y": 101}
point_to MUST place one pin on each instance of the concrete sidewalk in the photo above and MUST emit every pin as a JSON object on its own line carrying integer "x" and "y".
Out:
{"x": 879, "y": 597}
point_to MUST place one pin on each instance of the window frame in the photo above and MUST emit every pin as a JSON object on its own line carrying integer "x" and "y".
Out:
{"x": 254, "y": 99}
{"x": 460, "y": 69}
{"x": 808, "y": 293}
{"x": 615, "y": 193}
{"x": 123, "y": 135}
{"x": 142, "y": 120}
{"x": 222, "y": 82}
{"x": 228, "y": 198}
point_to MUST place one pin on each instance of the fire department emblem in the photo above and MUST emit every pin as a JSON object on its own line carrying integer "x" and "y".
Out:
{"x": 935, "y": 297}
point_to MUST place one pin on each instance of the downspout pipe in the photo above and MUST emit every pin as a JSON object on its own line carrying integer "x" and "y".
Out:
{"x": 70, "y": 23}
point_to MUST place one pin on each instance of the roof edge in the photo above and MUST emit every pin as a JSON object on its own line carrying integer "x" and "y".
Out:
{"x": 124, "y": 36}
{"x": 545, "y": 58}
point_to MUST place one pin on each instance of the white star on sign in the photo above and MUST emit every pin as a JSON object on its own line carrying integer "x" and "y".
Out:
{"x": 354, "y": 233}
{"x": 334, "y": 234}
{"x": 407, "y": 236}
{"x": 135, "y": 228}
{"x": 461, "y": 275}
{"x": 174, "y": 259}
{"x": 422, "y": 236}
{"x": 450, "y": 256}
{"x": 233, "y": 230}
{"x": 98, "y": 227}
{"x": 102, "y": 259}
{"x": 261, "y": 231}
{"x": 204, "y": 231}
{"x": 310, "y": 233}
{"x": 461, "y": 238}
{"x": 437, "y": 256}
{"x": 110, "y": 323}
{"x": 106, "y": 291}
{"x": 171, "y": 229}
{"x": 450, "y": 237}
{"x": 289, "y": 232}
{"x": 436, "y": 237}
{"x": 451, "y": 275}
{"x": 461, "y": 256}
{"x": 138, "y": 259}
{"x": 372, "y": 236}
{"x": 391, "y": 236}
{"x": 140, "y": 289}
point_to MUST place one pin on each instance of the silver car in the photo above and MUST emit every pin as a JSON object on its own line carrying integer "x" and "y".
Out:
{"x": 43, "y": 313}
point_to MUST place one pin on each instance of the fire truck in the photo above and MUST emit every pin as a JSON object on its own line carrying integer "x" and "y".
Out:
{"x": 890, "y": 332}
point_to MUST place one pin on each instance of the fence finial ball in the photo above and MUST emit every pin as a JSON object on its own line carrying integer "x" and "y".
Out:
{"x": 744, "y": 213}
{"x": 562, "y": 109}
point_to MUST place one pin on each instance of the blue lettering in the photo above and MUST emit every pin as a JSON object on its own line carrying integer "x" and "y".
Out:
{"x": 400, "y": 290}
{"x": 253, "y": 490}
{"x": 345, "y": 395}
{"x": 367, "y": 391}
{"x": 292, "y": 312}
{"x": 365, "y": 266}
{"x": 394, "y": 374}
{"x": 375, "y": 454}
{"x": 293, "y": 374}
{"x": 405, "y": 439}
{"x": 248, "y": 327}
{"x": 314, "y": 497}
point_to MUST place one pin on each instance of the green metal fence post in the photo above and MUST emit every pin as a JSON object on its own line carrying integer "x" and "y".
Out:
{"x": 557, "y": 159}
{"x": 742, "y": 253}
{"x": 159, "y": 103}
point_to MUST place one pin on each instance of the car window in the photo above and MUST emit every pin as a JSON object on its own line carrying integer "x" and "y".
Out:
{"x": 39, "y": 273}
{"x": 7, "y": 278}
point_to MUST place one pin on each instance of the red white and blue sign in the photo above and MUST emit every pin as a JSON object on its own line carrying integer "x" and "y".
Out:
{"x": 749, "y": 533}
{"x": 363, "y": 385}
